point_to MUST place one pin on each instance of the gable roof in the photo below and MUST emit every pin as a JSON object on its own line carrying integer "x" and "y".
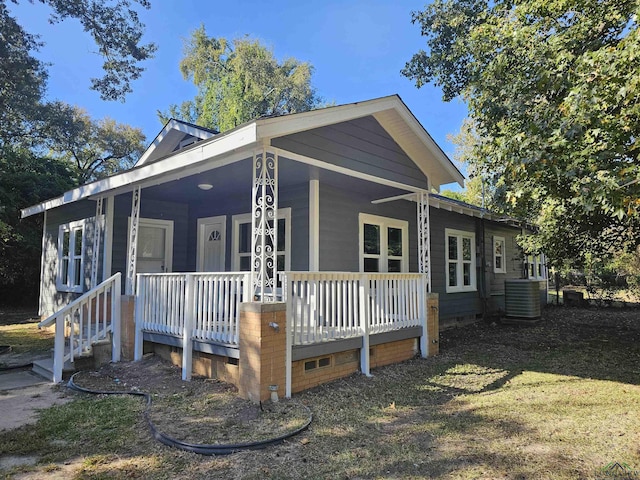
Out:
{"x": 170, "y": 137}
{"x": 161, "y": 161}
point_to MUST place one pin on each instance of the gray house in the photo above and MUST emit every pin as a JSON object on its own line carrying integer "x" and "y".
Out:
{"x": 305, "y": 208}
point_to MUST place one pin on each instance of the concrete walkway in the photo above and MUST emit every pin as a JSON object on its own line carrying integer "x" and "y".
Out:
{"x": 22, "y": 394}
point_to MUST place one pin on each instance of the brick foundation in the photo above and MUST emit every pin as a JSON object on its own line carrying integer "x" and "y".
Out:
{"x": 127, "y": 326}
{"x": 433, "y": 324}
{"x": 262, "y": 349}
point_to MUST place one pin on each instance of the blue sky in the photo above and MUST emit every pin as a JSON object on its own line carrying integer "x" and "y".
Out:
{"x": 357, "y": 48}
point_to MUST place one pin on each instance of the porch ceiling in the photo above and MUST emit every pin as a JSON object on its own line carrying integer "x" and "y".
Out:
{"x": 229, "y": 180}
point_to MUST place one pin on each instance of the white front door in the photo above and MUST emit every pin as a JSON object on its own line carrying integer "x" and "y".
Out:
{"x": 211, "y": 244}
{"x": 155, "y": 246}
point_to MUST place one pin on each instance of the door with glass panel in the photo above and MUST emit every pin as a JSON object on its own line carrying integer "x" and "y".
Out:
{"x": 155, "y": 246}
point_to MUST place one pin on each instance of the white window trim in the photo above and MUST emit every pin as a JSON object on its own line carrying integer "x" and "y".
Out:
{"x": 448, "y": 232}
{"x": 237, "y": 220}
{"x": 539, "y": 270}
{"x": 496, "y": 239}
{"x": 67, "y": 285}
{"x": 384, "y": 223}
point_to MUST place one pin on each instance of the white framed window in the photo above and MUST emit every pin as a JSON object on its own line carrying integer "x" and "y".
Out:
{"x": 460, "y": 253}
{"x": 384, "y": 244}
{"x": 71, "y": 247}
{"x": 536, "y": 267}
{"x": 499, "y": 255}
{"x": 241, "y": 241}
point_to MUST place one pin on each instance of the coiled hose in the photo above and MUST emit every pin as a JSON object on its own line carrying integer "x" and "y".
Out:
{"x": 201, "y": 449}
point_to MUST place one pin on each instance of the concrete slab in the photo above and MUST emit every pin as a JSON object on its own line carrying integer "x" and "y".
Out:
{"x": 19, "y": 379}
{"x": 20, "y": 406}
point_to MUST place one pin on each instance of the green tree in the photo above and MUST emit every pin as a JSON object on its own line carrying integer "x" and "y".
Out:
{"x": 553, "y": 89}
{"x": 117, "y": 31}
{"x": 22, "y": 79}
{"x": 238, "y": 81}
{"x": 93, "y": 148}
{"x": 25, "y": 179}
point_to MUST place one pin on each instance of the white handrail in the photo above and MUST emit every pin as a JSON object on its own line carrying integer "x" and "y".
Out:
{"x": 86, "y": 320}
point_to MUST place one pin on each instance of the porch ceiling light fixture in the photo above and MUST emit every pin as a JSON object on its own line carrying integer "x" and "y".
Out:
{"x": 205, "y": 186}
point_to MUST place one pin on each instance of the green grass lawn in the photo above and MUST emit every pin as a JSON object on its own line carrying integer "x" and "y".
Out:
{"x": 26, "y": 337}
{"x": 559, "y": 400}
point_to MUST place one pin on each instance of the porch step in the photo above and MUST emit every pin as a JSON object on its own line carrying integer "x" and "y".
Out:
{"x": 44, "y": 368}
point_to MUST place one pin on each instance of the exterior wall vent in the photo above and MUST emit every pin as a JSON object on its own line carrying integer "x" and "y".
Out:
{"x": 522, "y": 298}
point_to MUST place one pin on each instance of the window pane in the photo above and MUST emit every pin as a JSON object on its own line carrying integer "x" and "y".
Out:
{"x": 466, "y": 249}
{"x": 76, "y": 272}
{"x": 245, "y": 238}
{"x": 453, "y": 248}
{"x": 395, "y": 242}
{"x": 281, "y": 237}
{"x": 371, "y": 265}
{"x": 453, "y": 274}
{"x": 540, "y": 270}
{"x": 531, "y": 271}
{"x": 466, "y": 274}
{"x": 498, "y": 247}
{"x": 372, "y": 240}
{"x": 245, "y": 264}
{"x": 498, "y": 263}
{"x": 65, "y": 271}
{"x": 395, "y": 266}
{"x": 65, "y": 244}
{"x": 151, "y": 242}
{"x": 78, "y": 243}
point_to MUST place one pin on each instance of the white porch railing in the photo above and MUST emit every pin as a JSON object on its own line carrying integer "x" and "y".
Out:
{"x": 334, "y": 305}
{"x": 326, "y": 306}
{"x": 200, "y": 306}
{"x": 85, "y": 321}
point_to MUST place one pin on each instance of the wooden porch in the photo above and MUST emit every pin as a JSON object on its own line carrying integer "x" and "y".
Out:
{"x": 326, "y": 312}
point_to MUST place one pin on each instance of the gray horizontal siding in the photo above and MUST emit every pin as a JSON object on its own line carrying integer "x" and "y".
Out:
{"x": 512, "y": 256}
{"x": 361, "y": 145}
{"x": 51, "y": 299}
{"x": 149, "y": 208}
{"x": 339, "y": 227}
{"x": 459, "y": 304}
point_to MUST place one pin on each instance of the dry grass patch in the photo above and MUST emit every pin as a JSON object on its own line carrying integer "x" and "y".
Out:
{"x": 558, "y": 400}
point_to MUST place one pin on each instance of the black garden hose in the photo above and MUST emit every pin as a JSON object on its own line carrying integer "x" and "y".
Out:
{"x": 201, "y": 449}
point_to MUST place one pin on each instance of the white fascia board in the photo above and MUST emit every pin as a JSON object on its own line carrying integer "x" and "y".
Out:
{"x": 345, "y": 171}
{"x": 420, "y": 131}
{"x": 269, "y": 128}
{"x": 220, "y": 145}
{"x": 172, "y": 125}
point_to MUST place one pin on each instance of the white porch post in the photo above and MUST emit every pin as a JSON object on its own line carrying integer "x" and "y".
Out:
{"x": 108, "y": 239}
{"x": 424, "y": 237}
{"x": 424, "y": 266}
{"x": 314, "y": 225}
{"x": 264, "y": 217}
{"x": 97, "y": 231}
{"x": 133, "y": 242}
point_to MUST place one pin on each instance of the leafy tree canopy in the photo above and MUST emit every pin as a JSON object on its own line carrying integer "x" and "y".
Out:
{"x": 93, "y": 148}
{"x": 553, "y": 89}
{"x": 25, "y": 179}
{"x": 238, "y": 81}
{"x": 116, "y": 30}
